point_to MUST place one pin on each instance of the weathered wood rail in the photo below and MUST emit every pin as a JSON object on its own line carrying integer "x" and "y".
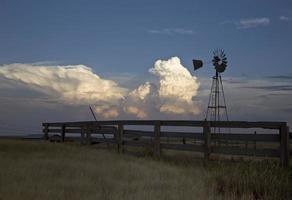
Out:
{"x": 205, "y": 140}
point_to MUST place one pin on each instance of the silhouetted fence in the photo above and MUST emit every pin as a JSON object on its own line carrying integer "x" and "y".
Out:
{"x": 203, "y": 141}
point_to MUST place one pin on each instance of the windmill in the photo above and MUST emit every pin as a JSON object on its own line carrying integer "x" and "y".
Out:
{"x": 216, "y": 110}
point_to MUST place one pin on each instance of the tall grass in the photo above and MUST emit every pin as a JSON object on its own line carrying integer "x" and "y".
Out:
{"x": 40, "y": 170}
{"x": 251, "y": 180}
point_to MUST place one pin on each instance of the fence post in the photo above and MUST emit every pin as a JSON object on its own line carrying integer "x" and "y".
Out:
{"x": 120, "y": 137}
{"x": 82, "y": 135}
{"x": 63, "y": 133}
{"x": 284, "y": 146}
{"x": 207, "y": 135}
{"x": 255, "y": 145}
{"x": 157, "y": 150}
{"x": 88, "y": 135}
{"x": 46, "y": 132}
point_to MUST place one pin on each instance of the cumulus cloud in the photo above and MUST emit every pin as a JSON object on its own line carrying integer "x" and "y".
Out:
{"x": 139, "y": 102}
{"x": 73, "y": 84}
{"x": 172, "y": 94}
{"x": 171, "y": 31}
{"x": 253, "y": 23}
{"x": 176, "y": 86}
{"x": 79, "y": 85}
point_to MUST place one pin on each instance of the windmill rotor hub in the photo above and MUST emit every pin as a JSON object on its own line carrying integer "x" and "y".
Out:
{"x": 219, "y": 60}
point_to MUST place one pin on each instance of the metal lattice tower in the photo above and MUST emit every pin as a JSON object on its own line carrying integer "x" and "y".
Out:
{"x": 217, "y": 109}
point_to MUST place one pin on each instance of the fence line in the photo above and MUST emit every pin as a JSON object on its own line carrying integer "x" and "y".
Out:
{"x": 156, "y": 138}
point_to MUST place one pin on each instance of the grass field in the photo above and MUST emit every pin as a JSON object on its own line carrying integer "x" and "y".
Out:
{"x": 41, "y": 170}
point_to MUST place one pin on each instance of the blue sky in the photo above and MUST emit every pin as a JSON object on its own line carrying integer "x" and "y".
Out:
{"x": 115, "y": 36}
{"x": 121, "y": 40}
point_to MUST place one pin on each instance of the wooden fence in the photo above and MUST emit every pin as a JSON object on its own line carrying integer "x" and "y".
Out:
{"x": 205, "y": 141}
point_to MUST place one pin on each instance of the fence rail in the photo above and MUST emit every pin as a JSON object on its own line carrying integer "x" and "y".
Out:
{"x": 204, "y": 141}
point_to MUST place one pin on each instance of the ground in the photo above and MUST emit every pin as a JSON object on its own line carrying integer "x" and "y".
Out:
{"x": 43, "y": 170}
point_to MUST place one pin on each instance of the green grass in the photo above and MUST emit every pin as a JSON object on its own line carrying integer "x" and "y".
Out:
{"x": 40, "y": 170}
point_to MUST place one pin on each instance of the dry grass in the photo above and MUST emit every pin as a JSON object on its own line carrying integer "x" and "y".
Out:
{"x": 39, "y": 170}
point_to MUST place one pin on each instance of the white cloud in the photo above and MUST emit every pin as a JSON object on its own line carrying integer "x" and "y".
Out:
{"x": 176, "y": 87}
{"x": 285, "y": 18}
{"x": 248, "y": 23}
{"x": 172, "y": 94}
{"x": 253, "y": 23}
{"x": 73, "y": 84}
{"x": 172, "y": 31}
{"x": 140, "y": 101}
{"x": 78, "y": 85}
{"x": 141, "y": 92}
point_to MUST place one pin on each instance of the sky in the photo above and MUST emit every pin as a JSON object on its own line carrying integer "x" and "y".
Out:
{"x": 133, "y": 59}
